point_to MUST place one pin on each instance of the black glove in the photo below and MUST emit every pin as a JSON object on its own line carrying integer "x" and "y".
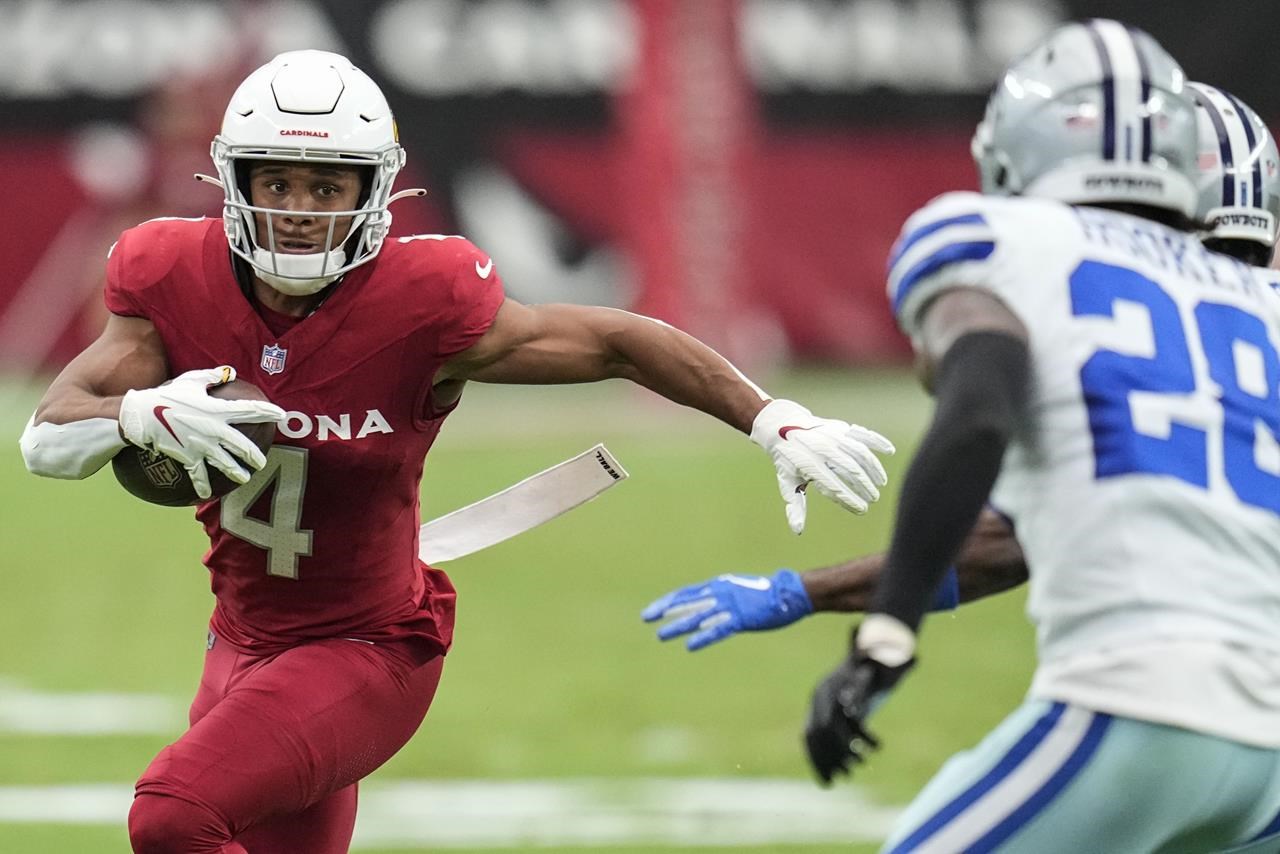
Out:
{"x": 834, "y": 735}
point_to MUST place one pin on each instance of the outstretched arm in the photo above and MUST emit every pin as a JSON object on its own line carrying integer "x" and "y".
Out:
{"x": 572, "y": 344}
{"x": 551, "y": 344}
{"x": 991, "y": 561}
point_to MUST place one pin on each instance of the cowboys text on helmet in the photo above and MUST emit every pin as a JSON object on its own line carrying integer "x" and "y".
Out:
{"x": 1239, "y": 186}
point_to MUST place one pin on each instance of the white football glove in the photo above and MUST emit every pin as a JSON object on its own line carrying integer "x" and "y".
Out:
{"x": 833, "y": 455}
{"x": 179, "y": 419}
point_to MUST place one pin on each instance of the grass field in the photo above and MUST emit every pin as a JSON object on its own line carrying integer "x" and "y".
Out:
{"x": 553, "y": 677}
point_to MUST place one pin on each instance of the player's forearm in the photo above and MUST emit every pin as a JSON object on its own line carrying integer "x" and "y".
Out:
{"x": 76, "y": 430}
{"x": 70, "y": 450}
{"x": 551, "y": 344}
{"x": 991, "y": 560}
{"x": 66, "y": 403}
{"x": 684, "y": 370}
{"x": 128, "y": 355}
{"x": 981, "y": 392}
{"x": 844, "y": 587}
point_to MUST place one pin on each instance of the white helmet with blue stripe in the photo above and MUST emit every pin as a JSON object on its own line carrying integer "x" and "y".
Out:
{"x": 1239, "y": 173}
{"x": 1096, "y": 113}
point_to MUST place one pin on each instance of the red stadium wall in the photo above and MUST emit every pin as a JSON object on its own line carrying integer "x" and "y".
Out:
{"x": 823, "y": 209}
{"x": 819, "y": 213}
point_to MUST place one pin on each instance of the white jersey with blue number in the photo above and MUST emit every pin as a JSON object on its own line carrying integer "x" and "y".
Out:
{"x": 1145, "y": 487}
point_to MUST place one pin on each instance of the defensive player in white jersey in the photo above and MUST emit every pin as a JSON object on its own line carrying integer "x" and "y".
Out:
{"x": 1238, "y": 212}
{"x": 1121, "y": 381}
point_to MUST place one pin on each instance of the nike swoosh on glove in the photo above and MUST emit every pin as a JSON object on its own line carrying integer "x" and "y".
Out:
{"x": 837, "y": 457}
{"x": 180, "y": 420}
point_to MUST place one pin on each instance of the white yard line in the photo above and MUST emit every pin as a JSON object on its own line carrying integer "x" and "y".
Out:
{"x": 544, "y": 813}
{"x": 649, "y": 811}
{"x": 23, "y": 710}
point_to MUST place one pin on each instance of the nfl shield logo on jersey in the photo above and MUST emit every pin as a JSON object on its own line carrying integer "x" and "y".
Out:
{"x": 273, "y": 358}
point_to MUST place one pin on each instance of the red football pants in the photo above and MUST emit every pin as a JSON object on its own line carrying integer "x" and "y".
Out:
{"x": 276, "y": 746}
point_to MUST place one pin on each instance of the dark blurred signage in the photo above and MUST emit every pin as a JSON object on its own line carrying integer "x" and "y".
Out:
{"x": 440, "y": 49}
{"x": 108, "y": 50}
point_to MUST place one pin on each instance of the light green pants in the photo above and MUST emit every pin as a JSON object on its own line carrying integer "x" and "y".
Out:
{"x": 1059, "y": 779}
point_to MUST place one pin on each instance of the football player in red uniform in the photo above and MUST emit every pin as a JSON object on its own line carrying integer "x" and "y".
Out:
{"x": 328, "y": 635}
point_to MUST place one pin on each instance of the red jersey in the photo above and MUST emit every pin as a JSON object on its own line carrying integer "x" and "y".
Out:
{"x": 323, "y": 541}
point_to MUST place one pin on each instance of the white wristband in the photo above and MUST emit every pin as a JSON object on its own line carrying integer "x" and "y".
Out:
{"x": 70, "y": 451}
{"x": 886, "y": 639}
{"x": 777, "y": 414}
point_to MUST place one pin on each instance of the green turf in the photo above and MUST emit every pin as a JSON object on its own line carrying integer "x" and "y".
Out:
{"x": 552, "y": 673}
{"x": 58, "y": 838}
{"x": 50, "y": 838}
{"x": 753, "y": 849}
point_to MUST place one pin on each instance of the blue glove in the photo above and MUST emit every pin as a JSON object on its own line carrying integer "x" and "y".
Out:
{"x": 727, "y": 604}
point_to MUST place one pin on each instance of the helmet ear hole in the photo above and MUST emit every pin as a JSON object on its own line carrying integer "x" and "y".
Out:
{"x": 1002, "y": 176}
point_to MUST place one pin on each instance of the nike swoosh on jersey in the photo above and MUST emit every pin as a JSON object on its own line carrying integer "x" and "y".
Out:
{"x": 159, "y": 412}
{"x": 752, "y": 583}
{"x": 483, "y": 272}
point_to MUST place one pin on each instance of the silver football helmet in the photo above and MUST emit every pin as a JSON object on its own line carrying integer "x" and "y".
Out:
{"x": 1097, "y": 112}
{"x": 1239, "y": 172}
{"x": 308, "y": 106}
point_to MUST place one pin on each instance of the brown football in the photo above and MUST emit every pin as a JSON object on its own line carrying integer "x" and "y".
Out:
{"x": 158, "y": 479}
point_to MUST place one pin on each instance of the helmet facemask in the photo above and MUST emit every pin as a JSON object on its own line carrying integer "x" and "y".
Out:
{"x": 292, "y": 273}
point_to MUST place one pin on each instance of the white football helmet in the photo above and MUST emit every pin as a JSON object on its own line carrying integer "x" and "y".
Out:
{"x": 1239, "y": 172}
{"x": 1097, "y": 112}
{"x": 308, "y": 106}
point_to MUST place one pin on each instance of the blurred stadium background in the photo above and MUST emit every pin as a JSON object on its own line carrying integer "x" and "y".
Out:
{"x": 736, "y": 167}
